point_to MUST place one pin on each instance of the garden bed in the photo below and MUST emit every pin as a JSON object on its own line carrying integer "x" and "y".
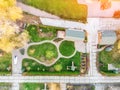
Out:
{"x": 45, "y": 52}
{"x": 41, "y": 32}
{"x": 30, "y": 67}
{"x": 105, "y": 59}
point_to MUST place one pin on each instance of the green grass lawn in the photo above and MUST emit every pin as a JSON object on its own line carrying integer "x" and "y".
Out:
{"x": 43, "y": 52}
{"x": 41, "y": 32}
{"x": 30, "y": 67}
{"x": 105, "y": 59}
{"x": 5, "y": 63}
{"x": 67, "y": 9}
{"x": 67, "y": 48}
{"x": 31, "y": 86}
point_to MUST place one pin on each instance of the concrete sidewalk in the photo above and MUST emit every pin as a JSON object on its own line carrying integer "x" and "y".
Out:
{"x": 35, "y": 11}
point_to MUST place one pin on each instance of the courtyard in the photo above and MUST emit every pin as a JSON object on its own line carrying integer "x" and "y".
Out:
{"x": 48, "y": 56}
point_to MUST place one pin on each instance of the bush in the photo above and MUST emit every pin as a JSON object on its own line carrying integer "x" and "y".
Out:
{"x": 49, "y": 55}
{"x": 116, "y": 14}
{"x": 58, "y": 67}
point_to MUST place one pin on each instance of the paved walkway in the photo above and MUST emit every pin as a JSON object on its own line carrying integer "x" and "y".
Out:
{"x": 16, "y": 68}
{"x": 47, "y": 41}
{"x": 60, "y": 79}
{"x": 99, "y": 86}
{"x": 63, "y": 86}
{"x": 35, "y": 11}
{"x": 15, "y": 86}
{"x": 93, "y": 40}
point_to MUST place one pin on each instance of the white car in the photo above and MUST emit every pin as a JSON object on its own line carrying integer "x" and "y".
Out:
{"x": 15, "y": 59}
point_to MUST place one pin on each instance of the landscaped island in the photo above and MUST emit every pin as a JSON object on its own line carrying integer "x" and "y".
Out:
{"x": 31, "y": 67}
{"x": 44, "y": 52}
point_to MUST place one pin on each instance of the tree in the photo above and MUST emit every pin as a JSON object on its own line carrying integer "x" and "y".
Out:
{"x": 116, "y": 14}
{"x": 116, "y": 54}
{"x": 54, "y": 86}
{"x": 8, "y": 10}
{"x": 105, "y": 4}
{"x": 116, "y": 51}
{"x": 58, "y": 67}
{"x": 10, "y": 35}
{"x": 49, "y": 54}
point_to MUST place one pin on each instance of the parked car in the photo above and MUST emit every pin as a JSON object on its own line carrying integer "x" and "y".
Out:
{"x": 15, "y": 59}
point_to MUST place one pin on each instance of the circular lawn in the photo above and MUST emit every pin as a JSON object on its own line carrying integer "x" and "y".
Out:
{"x": 67, "y": 48}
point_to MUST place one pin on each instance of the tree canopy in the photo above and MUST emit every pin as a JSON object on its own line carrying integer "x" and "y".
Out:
{"x": 10, "y": 35}
{"x": 116, "y": 54}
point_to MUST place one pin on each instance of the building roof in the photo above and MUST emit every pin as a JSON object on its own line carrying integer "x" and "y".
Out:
{"x": 108, "y": 33}
{"x": 75, "y": 34}
{"x": 60, "y": 34}
{"x": 108, "y": 37}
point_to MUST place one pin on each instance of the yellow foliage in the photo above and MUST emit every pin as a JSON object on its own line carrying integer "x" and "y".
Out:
{"x": 54, "y": 86}
{"x": 6, "y": 45}
{"x": 4, "y": 4}
{"x": 105, "y": 4}
{"x": 10, "y": 42}
{"x": 10, "y": 38}
{"x": 14, "y": 13}
{"x": 8, "y": 10}
{"x": 119, "y": 44}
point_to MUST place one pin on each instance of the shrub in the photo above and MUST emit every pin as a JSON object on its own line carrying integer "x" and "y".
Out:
{"x": 58, "y": 67}
{"x": 116, "y": 14}
{"x": 49, "y": 54}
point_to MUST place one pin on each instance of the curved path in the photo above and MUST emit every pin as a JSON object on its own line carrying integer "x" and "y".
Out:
{"x": 47, "y": 41}
{"x": 16, "y": 69}
{"x": 38, "y": 43}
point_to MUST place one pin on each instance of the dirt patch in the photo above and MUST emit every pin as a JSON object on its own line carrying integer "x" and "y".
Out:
{"x": 54, "y": 86}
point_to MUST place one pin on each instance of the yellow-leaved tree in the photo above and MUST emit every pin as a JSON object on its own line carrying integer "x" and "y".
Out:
{"x": 115, "y": 53}
{"x": 10, "y": 35}
{"x": 105, "y": 4}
